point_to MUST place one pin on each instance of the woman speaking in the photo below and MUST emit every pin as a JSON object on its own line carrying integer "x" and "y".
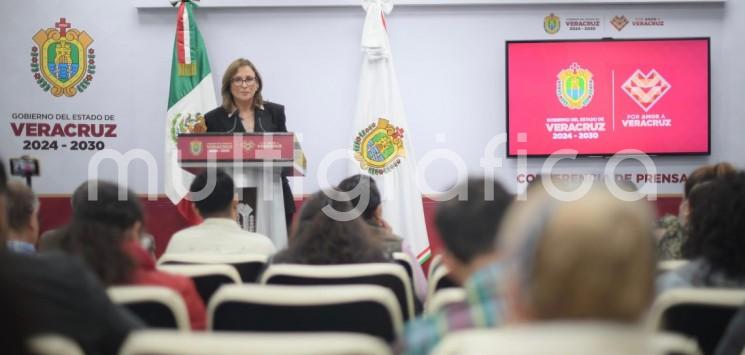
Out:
{"x": 244, "y": 110}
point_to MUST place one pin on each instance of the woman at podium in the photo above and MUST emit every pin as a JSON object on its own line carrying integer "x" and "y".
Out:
{"x": 243, "y": 109}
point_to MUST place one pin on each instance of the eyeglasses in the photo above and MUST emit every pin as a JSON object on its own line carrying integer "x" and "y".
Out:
{"x": 238, "y": 81}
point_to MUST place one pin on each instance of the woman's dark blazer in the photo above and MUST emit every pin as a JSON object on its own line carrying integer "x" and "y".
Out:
{"x": 269, "y": 119}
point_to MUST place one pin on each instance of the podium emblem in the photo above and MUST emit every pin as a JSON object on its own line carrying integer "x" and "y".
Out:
{"x": 575, "y": 87}
{"x": 196, "y": 147}
{"x": 379, "y": 147}
{"x": 62, "y": 61}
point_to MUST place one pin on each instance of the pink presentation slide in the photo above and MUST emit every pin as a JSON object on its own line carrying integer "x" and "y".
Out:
{"x": 602, "y": 97}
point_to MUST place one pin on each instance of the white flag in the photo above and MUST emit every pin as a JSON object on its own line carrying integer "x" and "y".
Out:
{"x": 382, "y": 145}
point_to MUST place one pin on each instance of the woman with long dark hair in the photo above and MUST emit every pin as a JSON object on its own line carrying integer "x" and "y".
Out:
{"x": 716, "y": 242}
{"x": 105, "y": 231}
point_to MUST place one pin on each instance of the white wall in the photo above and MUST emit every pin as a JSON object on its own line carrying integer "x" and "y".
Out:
{"x": 450, "y": 62}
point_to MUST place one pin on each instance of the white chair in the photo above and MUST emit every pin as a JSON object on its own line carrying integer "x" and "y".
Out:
{"x": 670, "y": 265}
{"x": 230, "y": 343}
{"x": 53, "y": 344}
{"x": 433, "y": 265}
{"x": 158, "y": 307}
{"x": 702, "y": 314}
{"x": 443, "y": 298}
{"x": 207, "y": 278}
{"x": 389, "y": 275}
{"x": 576, "y": 338}
{"x": 248, "y": 265}
{"x": 439, "y": 280}
{"x": 368, "y": 309}
{"x": 404, "y": 260}
{"x": 670, "y": 343}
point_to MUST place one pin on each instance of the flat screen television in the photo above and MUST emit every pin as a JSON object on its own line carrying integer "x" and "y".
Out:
{"x": 602, "y": 97}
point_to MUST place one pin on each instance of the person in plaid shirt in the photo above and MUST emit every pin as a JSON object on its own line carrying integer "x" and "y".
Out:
{"x": 468, "y": 229}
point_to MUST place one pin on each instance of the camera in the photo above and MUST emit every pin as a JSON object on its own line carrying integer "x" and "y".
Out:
{"x": 24, "y": 166}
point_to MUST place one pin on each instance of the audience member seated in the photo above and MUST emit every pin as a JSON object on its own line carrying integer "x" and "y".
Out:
{"x": 323, "y": 236}
{"x": 372, "y": 214}
{"x": 581, "y": 269}
{"x": 54, "y": 294}
{"x": 468, "y": 229}
{"x": 23, "y": 218}
{"x": 105, "y": 231}
{"x": 716, "y": 242}
{"x": 219, "y": 233}
{"x": 675, "y": 230}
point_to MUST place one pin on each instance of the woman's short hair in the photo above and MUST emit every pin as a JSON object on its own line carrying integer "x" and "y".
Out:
{"x": 102, "y": 213}
{"x": 717, "y": 226}
{"x": 322, "y": 240}
{"x": 365, "y": 185}
{"x": 228, "y": 102}
{"x": 589, "y": 259}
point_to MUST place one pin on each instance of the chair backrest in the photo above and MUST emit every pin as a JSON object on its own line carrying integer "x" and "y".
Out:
{"x": 433, "y": 265}
{"x": 158, "y": 307}
{"x": 702, "y": 314}
{"x": 404, "y": 260}
{"x": 389, "y": 275}
{"x": 230, "y": 343}
{"x": 249, "y": 266}
{"x": 669, "y": 265}
{"x": 368, "y": 309}
{"x": 439, "y": 281}
{"x": 444, "y": 298}
{"x": 53, "y": 344}
{"x": 560, "y": 337}
{"x": 207, "y": 278}
{"x": 675, "y": 344}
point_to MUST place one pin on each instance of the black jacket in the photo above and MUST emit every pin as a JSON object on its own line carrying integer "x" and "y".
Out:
{"x": 56, "y": 294}
{"x": 270, "y": 119}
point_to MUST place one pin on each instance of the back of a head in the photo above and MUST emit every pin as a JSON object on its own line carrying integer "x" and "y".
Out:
{"x": 589, "y": 259}
{"x": 706, "y": 173}
{"x": 321, "y": 239}
{"x": 107, "y": 203}
{"x": 363, "y": 184}
{"x": 21, "y": 205}
{"x": 217, "y": 200}
{"x": 468, "y": 228}
{"x": 103, "y": 212}
{"x": 717, "y": 226}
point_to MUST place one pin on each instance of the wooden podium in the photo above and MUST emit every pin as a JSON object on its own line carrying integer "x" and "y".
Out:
{"x": 254, "y": 160}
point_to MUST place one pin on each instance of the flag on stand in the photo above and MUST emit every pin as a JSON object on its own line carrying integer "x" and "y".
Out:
{"x": 191, "y": 95}
{"x": 382, "y": 147}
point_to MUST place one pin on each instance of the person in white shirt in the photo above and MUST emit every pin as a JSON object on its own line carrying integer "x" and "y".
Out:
{"x": 219, "y": 233}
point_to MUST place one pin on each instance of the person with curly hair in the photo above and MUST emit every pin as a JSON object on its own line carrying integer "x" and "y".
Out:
{"x": 716, "y": 242}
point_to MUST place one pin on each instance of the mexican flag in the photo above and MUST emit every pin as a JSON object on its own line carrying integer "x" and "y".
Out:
{"x": 192, "y": 93}
{"x": 381, "y": 143}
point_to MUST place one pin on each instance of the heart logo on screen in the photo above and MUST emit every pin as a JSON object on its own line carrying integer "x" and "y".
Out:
{"x": 619, "y": 22}
{"x": 646, "y": 89}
